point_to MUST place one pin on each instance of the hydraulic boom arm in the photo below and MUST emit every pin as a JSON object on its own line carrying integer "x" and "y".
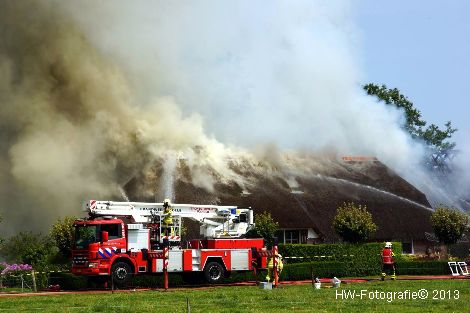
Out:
{"x": 212, "y": 218}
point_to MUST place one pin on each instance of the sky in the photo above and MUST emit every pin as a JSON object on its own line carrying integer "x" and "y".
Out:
{"x": 423, "y": 49}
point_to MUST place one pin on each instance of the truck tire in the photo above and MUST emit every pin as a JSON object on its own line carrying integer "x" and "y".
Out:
{"x": 121, "y": 274}
{"x": 214, "y": 272}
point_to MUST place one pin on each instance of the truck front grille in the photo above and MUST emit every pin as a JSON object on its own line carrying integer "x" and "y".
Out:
{"x": 80, "y": 260}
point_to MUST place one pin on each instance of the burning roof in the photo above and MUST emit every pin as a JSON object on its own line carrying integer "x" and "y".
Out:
{"x": 302, "y": 194}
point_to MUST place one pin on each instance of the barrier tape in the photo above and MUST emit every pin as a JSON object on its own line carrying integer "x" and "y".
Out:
{"x": 317, "y": 256}
{"x": 29, "y": 274}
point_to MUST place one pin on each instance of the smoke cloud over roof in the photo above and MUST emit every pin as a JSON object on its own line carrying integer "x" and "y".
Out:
{"x": 94, "y": 93}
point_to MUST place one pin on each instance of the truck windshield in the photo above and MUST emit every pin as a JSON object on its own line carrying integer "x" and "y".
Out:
{"x": 84, "y": 235}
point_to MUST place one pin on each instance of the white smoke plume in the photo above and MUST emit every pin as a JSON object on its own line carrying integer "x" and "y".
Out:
{"x": 285, "y": 73}
{"x": 92, "y": 93}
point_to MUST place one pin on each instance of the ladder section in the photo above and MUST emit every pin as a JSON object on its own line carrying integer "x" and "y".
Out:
{"x": 196, "y": 259}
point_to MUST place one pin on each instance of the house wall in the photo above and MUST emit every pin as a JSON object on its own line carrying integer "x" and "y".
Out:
{"x": 298, "y": 235}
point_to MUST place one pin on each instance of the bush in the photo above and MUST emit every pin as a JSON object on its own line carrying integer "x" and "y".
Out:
{"x": 265, "y": 227}
{"x": 354, "y": 223}
{"x": 62, "y": 231}
{"x": 449, "y": 224}
{"x": 27, "y": 247}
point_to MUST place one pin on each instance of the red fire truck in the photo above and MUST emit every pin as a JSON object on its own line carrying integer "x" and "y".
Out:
{"x": 123, "y": 239}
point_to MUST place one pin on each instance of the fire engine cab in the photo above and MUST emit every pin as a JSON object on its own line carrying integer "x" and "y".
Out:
{"x": 123, "y": 239}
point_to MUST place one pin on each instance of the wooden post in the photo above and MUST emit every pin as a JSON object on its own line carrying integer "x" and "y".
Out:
{"x": 33, "y": 275}
{"x": 165, "y": 263}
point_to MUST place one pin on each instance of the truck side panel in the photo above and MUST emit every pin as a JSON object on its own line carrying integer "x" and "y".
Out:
{"x": 175, "y": 262}
{"x": 240, "y": 260}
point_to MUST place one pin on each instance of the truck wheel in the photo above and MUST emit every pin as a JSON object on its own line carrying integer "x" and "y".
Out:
{"x": 121, "y": 274}
{"x": 214, "y": 272}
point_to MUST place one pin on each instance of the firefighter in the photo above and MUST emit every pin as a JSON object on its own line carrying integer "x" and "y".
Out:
{"x": 280, "y": 266}
{"x": 167, "y": 215}
{"x": 388, "y": 264}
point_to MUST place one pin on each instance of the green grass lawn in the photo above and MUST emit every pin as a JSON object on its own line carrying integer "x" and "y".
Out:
{"x": 293, "y": 298}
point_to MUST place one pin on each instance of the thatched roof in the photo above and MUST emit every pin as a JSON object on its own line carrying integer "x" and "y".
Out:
{"x": 306, "y": 197}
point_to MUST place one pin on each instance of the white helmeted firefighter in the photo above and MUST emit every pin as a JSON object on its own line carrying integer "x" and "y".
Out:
{"x": 280, "y": 266}
{"x": 388, "y": 264}
{"x": 167, "y": 215}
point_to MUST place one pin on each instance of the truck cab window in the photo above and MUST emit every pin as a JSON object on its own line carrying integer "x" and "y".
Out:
{"x": 114, "y": 230}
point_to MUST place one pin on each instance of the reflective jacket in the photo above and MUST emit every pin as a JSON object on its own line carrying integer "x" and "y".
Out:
{"x": 280, "y": 265}
{"x": 167, "y": 216}
{"x": 387, "y": 256}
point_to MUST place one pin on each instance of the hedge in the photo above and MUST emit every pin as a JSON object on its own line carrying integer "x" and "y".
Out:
{"x": 359, "y": 259}
{"x": 329, "y": 269}
{"x": 335, "y": 252}
{"x": 68, "y": 281}
{"x": 422, "y": 268}
{"x": 322, "y": 260}
{"x": 296, "y": 271}
{"x": 305, "y": 271}
{"x": 350, "y": 260}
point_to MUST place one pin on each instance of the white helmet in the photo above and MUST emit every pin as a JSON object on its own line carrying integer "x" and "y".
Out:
{"x": 388, "y": 244}
{"x": 166, "y": 203}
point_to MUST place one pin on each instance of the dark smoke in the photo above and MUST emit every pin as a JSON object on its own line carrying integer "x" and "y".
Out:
{"x": 67, "y": 129}
{"x": 70, "y": 128}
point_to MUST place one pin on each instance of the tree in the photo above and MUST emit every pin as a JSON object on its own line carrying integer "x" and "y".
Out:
{"x": 354, "y": 223}
{"x": 62, "y": 232}
{"x": 431, "y": 135}
{"x": 265, "y": 227}
{"x": 1, "y": 239}
{"x": 27, "y": 247}
{"x": 449, "y": 224}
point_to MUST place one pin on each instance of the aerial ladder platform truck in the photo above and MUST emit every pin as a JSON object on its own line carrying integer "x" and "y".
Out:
{"x": 119, "y": 240}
